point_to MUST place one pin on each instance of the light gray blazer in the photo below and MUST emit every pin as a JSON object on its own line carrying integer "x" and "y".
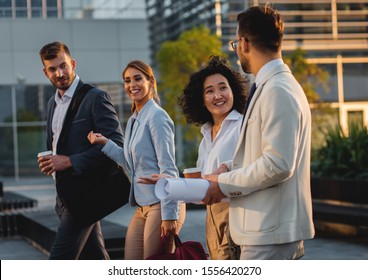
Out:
{"x": 148, "y": 148}
{"x": 269, "y": 181}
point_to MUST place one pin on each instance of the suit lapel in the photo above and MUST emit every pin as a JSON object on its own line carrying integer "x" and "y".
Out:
{"x": 246, "y": 117}
{"x": 77, "y": 99}
{"x": 49, "y": 124}
{"x": 131, "y": 130}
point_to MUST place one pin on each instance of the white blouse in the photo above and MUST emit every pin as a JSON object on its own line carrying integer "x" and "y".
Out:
{"x": 212, "y": 153}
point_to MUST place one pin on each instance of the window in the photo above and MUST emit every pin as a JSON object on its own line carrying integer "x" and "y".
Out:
{"x": 5, "y": 9}
{"x": 355, "y": 81}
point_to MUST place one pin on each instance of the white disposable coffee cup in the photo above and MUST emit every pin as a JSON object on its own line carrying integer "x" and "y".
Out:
{"x": 43, "y": 154}
{"x": 193, "y": 172}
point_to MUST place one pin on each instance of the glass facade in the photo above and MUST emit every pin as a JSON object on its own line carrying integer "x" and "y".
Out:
{"x": 72, "y": 9}
{"x": 169, "y": 18}
{"x": 355, "y": 81}
{"x": 22, "y": 128}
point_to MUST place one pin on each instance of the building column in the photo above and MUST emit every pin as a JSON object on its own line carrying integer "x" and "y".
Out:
{"x": 340, "y": 91}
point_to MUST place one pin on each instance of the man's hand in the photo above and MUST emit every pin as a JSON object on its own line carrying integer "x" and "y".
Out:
{"x": 214, "y": 193}
{"x": 221, "y": 169}
{"x": 49, "y": 164}
{"x": 153, "y": 179}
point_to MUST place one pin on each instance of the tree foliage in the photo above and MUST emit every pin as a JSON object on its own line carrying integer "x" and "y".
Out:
{"x": 309, "y": 75}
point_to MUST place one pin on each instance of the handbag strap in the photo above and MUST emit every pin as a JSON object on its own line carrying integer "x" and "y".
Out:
{"x": 72, "y": 110}
{"x": 177, "y": 241}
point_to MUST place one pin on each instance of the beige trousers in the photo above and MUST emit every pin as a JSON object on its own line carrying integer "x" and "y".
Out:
{"x": 286, "y": 251}
{"x": 143, "y": 237}
{"x": 217, "y": 222}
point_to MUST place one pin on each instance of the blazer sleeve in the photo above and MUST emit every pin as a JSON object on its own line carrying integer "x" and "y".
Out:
{"x": 116, "y": 153}
{"x": 162, "y": 136}
{"x": 105, "y": 121}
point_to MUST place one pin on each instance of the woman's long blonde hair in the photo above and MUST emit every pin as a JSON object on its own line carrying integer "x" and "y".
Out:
{"x": 148, "y": 73}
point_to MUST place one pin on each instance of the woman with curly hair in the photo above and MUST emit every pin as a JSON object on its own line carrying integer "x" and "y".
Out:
{"x": 215, "y": 99}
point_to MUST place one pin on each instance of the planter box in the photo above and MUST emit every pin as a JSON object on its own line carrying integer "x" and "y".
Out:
{"x": 340, "y": 205}
{"x": 346, "y": 190}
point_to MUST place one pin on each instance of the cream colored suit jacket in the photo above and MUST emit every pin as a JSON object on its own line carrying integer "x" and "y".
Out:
{"x": 269, "y": 181}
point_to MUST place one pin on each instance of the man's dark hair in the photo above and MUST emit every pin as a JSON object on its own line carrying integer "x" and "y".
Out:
{"x": 261, "y": 26}
{"x": 191, "y": 100}
{"x": 51, "y": 50}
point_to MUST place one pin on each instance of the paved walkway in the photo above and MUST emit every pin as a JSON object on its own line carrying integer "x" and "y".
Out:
{"x": 319, "y": 248}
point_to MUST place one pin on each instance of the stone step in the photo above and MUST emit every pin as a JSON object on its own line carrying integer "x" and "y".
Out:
{"x": 10, "y": 201}
{"x": 40, "y": 227}
{"x": 8, "y": 224}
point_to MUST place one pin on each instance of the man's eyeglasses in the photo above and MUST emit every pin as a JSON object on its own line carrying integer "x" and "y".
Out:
{"x": 234, "y": 44}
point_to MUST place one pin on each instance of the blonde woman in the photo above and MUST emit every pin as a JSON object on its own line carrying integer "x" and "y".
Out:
{"x": 148, "y": 148}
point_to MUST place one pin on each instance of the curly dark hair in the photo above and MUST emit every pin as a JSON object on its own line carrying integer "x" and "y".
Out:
{"x": 191, "y": 100}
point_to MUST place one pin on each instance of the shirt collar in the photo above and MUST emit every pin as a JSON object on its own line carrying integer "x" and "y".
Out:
{"x": 233, "y": 116}
{"x": 267, "y": 68}
{"x": 70, "y": 91}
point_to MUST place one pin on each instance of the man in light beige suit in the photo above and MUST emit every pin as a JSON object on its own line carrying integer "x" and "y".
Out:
{"x": 268, "y": 180}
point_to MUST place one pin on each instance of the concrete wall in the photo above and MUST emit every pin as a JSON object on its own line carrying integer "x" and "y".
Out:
{"x": 101, "y": 48}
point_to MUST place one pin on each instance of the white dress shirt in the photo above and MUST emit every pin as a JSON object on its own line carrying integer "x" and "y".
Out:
{"x": 62, "y": 105}
{"x": 212, "y": 153}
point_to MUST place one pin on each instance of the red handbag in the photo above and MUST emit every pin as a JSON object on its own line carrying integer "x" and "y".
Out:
{"x": 189, "y": 250}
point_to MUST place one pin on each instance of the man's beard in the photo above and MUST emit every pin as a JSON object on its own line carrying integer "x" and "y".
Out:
{"x": 245, "y": 65}
{"x": 62, "y": 84}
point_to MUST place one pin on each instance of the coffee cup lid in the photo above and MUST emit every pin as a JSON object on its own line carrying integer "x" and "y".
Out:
{"x": 191, "y": 170}
{"x": 46, "y": 153}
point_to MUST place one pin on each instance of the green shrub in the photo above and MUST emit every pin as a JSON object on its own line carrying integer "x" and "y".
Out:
{"x": 343, "y": 155}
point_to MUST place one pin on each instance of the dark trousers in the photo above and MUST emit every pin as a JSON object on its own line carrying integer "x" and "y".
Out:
{"x": 72, "y": 242}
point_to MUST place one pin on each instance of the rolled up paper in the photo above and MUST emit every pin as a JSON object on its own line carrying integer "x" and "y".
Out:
{"x": 182, "y": 189}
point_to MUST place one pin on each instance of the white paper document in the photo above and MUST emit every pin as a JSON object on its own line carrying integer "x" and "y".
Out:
{"x": 182, "y": 189}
